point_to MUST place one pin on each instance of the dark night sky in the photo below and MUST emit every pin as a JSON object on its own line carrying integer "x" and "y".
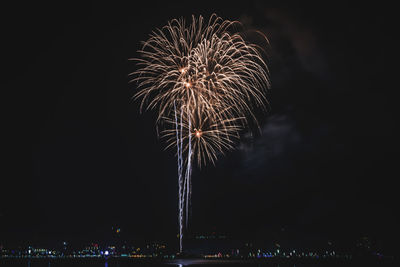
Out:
{"x": 79, "y": 158}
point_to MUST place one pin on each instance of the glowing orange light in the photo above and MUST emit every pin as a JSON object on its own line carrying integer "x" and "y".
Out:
{"x": 198, "y": 133}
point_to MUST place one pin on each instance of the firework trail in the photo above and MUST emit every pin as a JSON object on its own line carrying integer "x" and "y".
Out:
{"x": 178, "y": 134}
{"x": 206, "y": 84}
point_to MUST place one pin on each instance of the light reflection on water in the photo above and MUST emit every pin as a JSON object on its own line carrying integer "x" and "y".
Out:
{"x": 222, "y": 263}
{"x": 172, "y": 263}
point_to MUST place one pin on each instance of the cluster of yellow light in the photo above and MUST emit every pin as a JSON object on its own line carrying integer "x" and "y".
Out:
{"x": 198, "y": 133}
{"x": 140, "y": 256}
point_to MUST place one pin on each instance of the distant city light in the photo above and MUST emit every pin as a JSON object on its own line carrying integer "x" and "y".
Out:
{"x": 160, "y": 250}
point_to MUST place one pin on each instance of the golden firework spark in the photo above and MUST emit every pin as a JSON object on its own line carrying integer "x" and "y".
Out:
{"x": 209, "y": 69}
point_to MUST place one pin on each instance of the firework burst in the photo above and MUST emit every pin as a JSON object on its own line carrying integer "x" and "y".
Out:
{"x": 206, "y": 83}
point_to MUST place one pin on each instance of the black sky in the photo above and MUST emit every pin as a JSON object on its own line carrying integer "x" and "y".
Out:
{"x": 79, "y": 159}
